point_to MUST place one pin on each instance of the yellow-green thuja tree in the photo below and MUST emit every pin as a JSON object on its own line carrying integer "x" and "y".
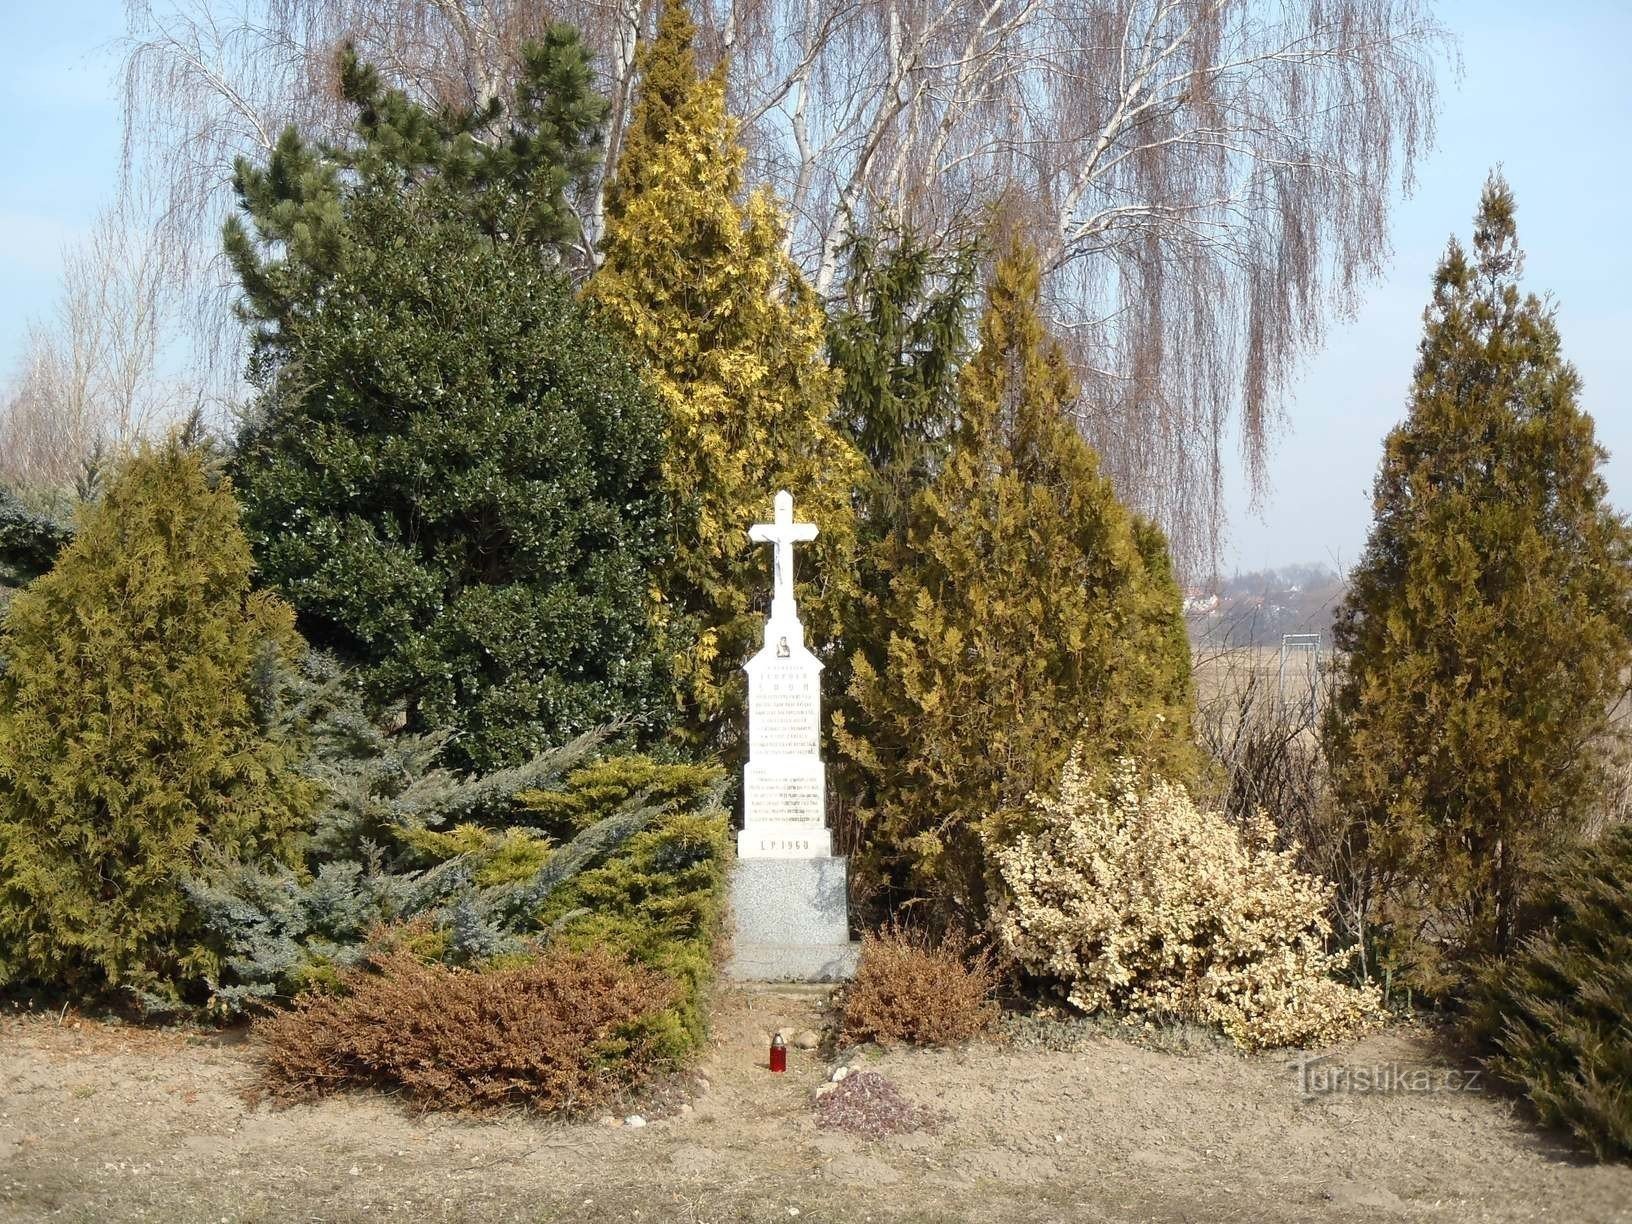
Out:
{"x": 695, "y": 279}
{"x": 132, "y": 748}
{"x": 1031, "y": 611}
{"x": 1485, "y": 631}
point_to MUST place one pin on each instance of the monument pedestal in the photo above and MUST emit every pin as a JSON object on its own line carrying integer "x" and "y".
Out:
{"x": 792, "y": 921}
{"x": 789, "y": 893}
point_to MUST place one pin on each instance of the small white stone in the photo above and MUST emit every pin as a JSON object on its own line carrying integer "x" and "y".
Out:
{"x": 807, "y": 1040}
{"x": 355, "y": 1171}
{"x": 839, "y": 1073}
{"x": 634, "y": 1120}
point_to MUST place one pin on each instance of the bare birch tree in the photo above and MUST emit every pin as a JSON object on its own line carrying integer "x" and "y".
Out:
{"x": 93, "y": 374}
{"x": 1211, "y": 179}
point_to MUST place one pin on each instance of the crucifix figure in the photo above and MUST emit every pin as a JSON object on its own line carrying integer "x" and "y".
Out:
{"x": 784, "y": 534}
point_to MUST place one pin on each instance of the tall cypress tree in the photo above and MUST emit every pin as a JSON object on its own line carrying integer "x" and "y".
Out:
{"x": 1486, "y": 626}
{"x": 695, "y": 279}
{"x": 452, "y": 472}
{"x": 131, "y": 746}
{"x": 1031, "y": 613}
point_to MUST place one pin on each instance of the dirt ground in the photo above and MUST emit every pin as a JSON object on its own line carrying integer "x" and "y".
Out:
{"x": 110, "y": 1123}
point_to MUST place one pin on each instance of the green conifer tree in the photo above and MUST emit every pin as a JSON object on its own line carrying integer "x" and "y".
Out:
{"x": 452, "y": 473}
{"x": 513, "y": 175}
{"x": 1030, "y": 614}
{"x": 1486, "y": 626}
{"x": 1552, "y": 1015}
{"x": 29, "y": 541}
{"x": 130, "y": 744}
{"x": 397, "y": 838}
{"x": 696, "y": 280}
{"x": 898, "y": 340}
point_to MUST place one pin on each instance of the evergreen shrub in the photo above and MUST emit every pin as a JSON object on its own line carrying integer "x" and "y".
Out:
{"x": 1029, "y": 610}
{"x": 451, "y": 472}
{"x": 400, "y": 838}
{"x": 1556, "y": 1015}
{"x": 1136, "y": 901}
{"x": 29, "y": 540}
{"x": 133, "y": 749}
{"x": 659, "y": 899}
{"x": 563, "y": 1031}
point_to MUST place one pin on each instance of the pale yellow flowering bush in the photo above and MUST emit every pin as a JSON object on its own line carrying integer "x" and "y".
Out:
{"x": 1138, "y": 901}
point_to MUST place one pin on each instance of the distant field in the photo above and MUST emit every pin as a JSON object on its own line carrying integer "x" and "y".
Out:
{"x": 1226, "y": 673}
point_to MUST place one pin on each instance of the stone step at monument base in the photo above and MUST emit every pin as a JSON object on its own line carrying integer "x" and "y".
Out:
{"x": 762, "y": 962}
{"x": 785, "y": 839}
{"x": 791, "y": 920}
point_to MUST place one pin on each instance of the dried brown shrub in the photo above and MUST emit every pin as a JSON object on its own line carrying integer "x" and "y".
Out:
{"x": 563, "y": 1032}
{"x": 911, "y": 989}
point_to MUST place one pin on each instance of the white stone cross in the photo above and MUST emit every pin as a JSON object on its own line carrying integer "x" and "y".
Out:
{"x": 784, "y": 534}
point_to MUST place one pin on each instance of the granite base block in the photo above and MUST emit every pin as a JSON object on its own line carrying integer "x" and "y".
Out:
{"x": 791, "y": 920}
{"x": 751, "y": 962}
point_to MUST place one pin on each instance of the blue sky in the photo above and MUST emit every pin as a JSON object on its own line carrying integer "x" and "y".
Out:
{"x": 59, "y": 147}
{"x": 1545, "y": 93}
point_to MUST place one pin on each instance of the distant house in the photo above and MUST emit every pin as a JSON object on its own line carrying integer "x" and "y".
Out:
{"x": 1200, "y": 603}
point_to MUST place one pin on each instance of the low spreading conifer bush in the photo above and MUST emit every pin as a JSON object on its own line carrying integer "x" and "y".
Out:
{"x": 1137, "y": 901}
{"x": 914, "y": 990}
{"x": 660, "y": 898}
{"x": 623, "y": 854}
{"x": 563, "y": 1032}
{"x": 1553, "y": 1016}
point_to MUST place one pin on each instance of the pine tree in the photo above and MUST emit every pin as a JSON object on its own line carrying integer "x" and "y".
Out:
{"x": 513, "y": 176}
{"x": 131, "y": 747}
{"x": 1031, "y": 615}
{"x": 1485, "y": 629}
{"x": 696, "y": 280}
{"x": 451, "y": 472}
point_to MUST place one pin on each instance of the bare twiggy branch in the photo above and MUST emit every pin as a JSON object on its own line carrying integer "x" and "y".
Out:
{"x": 92, "y": 376}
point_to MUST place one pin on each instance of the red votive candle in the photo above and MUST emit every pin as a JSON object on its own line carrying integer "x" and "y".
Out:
{"x": 779, "y": 1053}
